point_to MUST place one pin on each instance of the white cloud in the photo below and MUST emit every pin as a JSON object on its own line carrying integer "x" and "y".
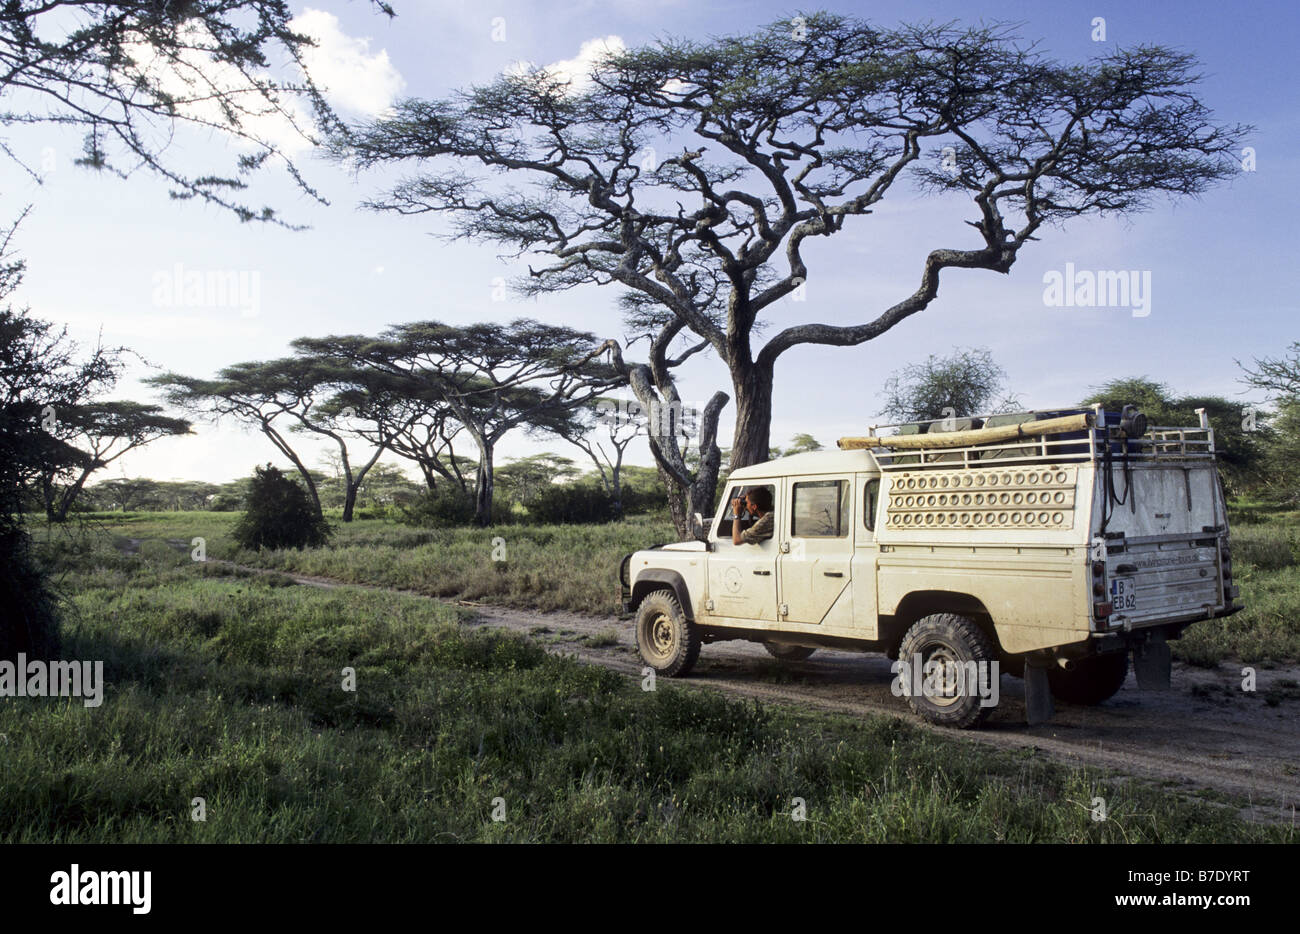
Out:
{"x": 576, "y": 70}
{"x": 352, "y": 78}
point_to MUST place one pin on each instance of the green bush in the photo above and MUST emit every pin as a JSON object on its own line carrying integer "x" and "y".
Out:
{"x": 224, "y": 502}
{"x": 571, "y": 505}
{"x": 445, "y": 506}
{"x": 448, "y": 506}
{"x": 28, "y": 618}
{"x": 279, "y": 515}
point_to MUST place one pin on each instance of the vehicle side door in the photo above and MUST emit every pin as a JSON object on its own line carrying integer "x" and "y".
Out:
{"x": 817, "y": 551}
{"x": 742, "y": 578}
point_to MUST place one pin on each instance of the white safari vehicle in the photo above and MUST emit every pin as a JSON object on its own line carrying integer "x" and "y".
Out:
{"x": 1046, "y": 545}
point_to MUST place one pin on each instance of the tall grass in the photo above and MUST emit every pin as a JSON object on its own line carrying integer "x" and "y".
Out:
{"x": 230, "y": 689}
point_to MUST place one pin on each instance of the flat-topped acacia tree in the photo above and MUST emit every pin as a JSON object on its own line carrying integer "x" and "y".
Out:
{"x": 492, "y": 378}
{"x": 794, "y": 131}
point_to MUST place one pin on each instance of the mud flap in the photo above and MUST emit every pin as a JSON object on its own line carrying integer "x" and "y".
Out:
{"x": 1039, "y": 707}
{"x": 1153, "y": 664}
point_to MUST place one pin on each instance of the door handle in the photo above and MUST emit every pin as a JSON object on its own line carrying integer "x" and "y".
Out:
{"x": 763, "y": 573}
{"x": 833, "y": 573}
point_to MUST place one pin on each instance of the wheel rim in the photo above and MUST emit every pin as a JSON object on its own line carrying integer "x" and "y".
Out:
{"x": 662, "y": 636}
{"x": 946, "y": 680}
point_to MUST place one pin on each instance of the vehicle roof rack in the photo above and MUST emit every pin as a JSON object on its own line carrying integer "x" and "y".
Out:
{"x": 1029, "y": 437}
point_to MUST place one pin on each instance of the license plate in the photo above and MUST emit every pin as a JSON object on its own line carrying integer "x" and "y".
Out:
{"x": 1123, "y": 594}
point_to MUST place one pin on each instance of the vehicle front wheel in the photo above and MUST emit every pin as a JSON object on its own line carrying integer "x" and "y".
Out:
{"x": 1091, "y": 681}
{"x": 952, "y": 657}
{"x": 667, "y": 640}
{"x": 788, "y": 653}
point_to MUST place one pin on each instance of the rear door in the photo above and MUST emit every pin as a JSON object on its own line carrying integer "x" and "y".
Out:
{"x": 866, "y": 554}
{"x": 815, "y": 564}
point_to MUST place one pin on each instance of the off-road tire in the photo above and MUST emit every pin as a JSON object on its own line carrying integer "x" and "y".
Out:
{"x": 1093, "y": 680}
{"x": 956, "y": 638}
{"x": 788, "y": 653}
{"x": 669, "y": 643}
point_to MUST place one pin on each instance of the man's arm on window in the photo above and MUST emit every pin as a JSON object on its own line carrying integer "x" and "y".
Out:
{"x": 760, "y": 531}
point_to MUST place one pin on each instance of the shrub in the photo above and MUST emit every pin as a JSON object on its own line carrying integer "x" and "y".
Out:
{"x": 28, "y": 618}
{"x": 279, "y": 515}
{"x": 224, "y": 502}
{"x": 569, "y": 505}
{"x": 644, "y": 500}
{"x": 438, "y": 508}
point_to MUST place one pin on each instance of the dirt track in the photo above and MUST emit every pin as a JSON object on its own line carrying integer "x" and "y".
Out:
{"x": 1206, "y": 733}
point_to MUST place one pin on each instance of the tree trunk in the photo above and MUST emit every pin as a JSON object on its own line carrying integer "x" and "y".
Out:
{"x": 752, "y": 439}
{"x": 616, "y": 485}
{"x": 70, "y": 494}
{"x": 47, "y": 494}
{"x": 677, "y": 505}
{"x": 483, "y": 486}
{"x": 349, "y": 500}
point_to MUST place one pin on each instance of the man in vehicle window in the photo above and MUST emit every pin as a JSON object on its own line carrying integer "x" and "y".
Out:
{"x": 758, "y": 504}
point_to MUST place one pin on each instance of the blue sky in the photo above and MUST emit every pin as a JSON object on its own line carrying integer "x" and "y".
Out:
{"x": 1222, "y": 267}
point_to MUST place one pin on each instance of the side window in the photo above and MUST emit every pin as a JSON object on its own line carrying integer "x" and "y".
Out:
{"x": 728, "y": 517}
{"x": 820, "y": 509}
{"x": 869, "y": 504}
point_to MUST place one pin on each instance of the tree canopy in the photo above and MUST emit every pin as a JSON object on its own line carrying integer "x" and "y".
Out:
{"x": 698, "y": 172}
{"x": 128, "y": 72}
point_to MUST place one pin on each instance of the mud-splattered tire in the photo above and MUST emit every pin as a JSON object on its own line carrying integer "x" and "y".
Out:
{"x": 1092, "y": 680}
{"x": 668, "y": 642}
{"x": 948, "y": 639}
{"x": 788, "y": 653}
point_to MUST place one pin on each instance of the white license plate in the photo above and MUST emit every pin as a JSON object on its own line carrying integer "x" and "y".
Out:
{"x": 1123, "y": 594}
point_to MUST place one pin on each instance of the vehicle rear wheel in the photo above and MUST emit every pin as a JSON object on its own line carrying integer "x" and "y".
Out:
{"x": 945, "y": 645}
{"x": 668, "y": 642}
{"x": 788, "y": 653}
{"x": 1093, "y": 679}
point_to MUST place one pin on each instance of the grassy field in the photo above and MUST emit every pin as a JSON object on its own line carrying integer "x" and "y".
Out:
{"x": 574, "y": 568}
{"x": 230, "y": 688}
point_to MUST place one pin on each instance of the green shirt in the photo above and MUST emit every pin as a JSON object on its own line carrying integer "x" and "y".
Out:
{"x": 760, "y": 531}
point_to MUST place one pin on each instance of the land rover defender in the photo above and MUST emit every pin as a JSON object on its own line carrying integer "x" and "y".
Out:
{"x": 1045, "y": 545}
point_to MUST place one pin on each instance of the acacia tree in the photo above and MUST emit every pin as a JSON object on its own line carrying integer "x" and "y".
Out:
{"x": 278, "y": 397}
{"x": 101, "y": 432}
{"x": 690, "y": 476}
{"x": 787, "y": 134}
{"x": 604, "y": 434}
{"x": 41, "y": 374}
{"x": 1278, "y": 376}
{"x": 127, "y": 72}
{"x": 965, "y": 382}
{"x": 494, "y": 378}
{"x": 414, "y": 421}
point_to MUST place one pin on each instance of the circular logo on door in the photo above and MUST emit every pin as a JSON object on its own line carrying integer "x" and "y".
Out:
{"x": 731, "y": 579}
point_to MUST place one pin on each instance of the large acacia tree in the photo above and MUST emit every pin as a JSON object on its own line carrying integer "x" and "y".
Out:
{"x": 790, "y": 133}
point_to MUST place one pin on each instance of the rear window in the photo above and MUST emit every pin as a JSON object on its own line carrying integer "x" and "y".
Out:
{"x": 820, "y": 509}
{"x": 869, "y": 504}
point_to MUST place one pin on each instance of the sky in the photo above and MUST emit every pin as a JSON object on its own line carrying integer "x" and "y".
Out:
{"x": 102, "y": 251}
